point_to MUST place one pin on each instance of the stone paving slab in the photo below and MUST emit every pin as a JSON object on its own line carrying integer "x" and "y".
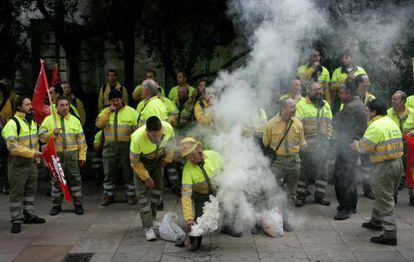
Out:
{"x": 115, "y": 233}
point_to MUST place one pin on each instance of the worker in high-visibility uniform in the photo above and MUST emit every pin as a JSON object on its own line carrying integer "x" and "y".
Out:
{"x": 152, "y": 148}
{"x": 316, "y": 116}
{"x": 313, "y": 71}
{"x": 113, "y": 83}
{"x": 347, "y": 72}
{"x": 403, "y": 116}
{"x": 185, "y": 106}
{"x": 151, "y": 105}
{"x": 76, "y": 106}
{"x": 294, "y": 91}
{"x": 149, "y": 74}
{"x": 198, "y": 184}
{"x": 383, "y": 141}
{"x": 284, "y": 134}
{"x": 118, "y": 121}
{"x": 202, "y": 109}
{"x": 20, "y": 134}
{"x": 182, "y": 82}
{"x": 71, "y": 148}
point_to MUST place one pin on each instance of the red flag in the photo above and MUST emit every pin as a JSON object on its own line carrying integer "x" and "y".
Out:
{"x": 409, "y": 175}
{"x": 41, "y": 110}
{"x": 56, "y": 80}
{"x": 55, "y": 167}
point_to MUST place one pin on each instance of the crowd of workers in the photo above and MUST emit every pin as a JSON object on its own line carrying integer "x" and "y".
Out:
{"x": 320, "y": 119}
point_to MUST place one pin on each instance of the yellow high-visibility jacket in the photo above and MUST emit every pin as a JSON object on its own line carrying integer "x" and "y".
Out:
{"x": 340, "y": 75}
{"x": 71, "y": 137}
{"x": 316, "y": 122}
{"x": 151, "y": 107}
{"x": 203, "y": 114}
{"x": 142, "y": 147}
{"x": 193, "y": 180}
{"x": 382, "y": 140}
{"x": 98, "y": 141}
{"x": 274, "y": 131}
{"x": 119, "y": 125}
{"x": 404, "y": 120}
{"x": 136, "y": 95}
{"x": 25, "y": 144}
{"x": 103, "y": 100}
{"x": 410, "y": 102}
{"x": 171, "y": 109}
{"x": 185, "y": 113}
{"x": 305, "y": 73}
{"x": 173, "y": 94}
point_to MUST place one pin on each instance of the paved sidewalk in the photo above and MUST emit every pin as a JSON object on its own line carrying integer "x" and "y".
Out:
{"x": 115, "y": 233}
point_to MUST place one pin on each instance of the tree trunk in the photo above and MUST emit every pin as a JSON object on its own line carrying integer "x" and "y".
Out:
{"x": 129, "y": 58}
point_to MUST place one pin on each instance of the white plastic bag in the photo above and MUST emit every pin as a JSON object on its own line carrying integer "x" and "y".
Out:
{"x": 272, "y": 222}
{"x": 169, "y": 230}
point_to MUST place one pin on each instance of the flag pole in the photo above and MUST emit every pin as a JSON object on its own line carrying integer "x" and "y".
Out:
{"x": 48, "y": 95}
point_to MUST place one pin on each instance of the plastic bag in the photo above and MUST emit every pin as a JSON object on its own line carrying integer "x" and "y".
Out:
{"x": 272, "y": 222}
{"x": 169, "y": 230}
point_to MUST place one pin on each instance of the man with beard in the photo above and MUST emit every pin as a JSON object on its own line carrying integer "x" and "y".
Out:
{"x": 316, "y": 116}
{"x": 349, "y": 125}
{"x": 20, "y": 134}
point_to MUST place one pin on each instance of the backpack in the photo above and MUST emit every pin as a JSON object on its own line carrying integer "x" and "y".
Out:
{"x": 4, "y": 152}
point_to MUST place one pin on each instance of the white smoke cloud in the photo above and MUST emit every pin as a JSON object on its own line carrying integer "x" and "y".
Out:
{"x": 276, "y": 31}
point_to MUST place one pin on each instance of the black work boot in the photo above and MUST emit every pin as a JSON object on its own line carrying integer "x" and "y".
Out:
{"x": 55, "y": 210}
{"x": 16, "y": 228}
{"x": 287, "y": 227}
{"x": 412, "y": 200}
{"x": 34, "y": 220}
{"x": 322, "y": 200}
{"x": 371, "y": 226}
{"x": 231, "y": 232}
{"x": 342, "y": 215}
{"x": 256, "y": 229}
{"x": 384, "y": 241}
{"x": 79, "y": 210}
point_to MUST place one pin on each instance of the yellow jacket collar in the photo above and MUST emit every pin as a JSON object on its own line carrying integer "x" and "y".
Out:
{"x": 374, "y": 119}
{"x": 66, "y": 117}
{"x": 20, "y": 115}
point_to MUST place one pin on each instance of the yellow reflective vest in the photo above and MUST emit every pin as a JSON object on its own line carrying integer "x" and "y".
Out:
{"x": 382, "y": 140}
{"x": 143, "y": 148}
{"x": 173, "y": 94}
{"x": 316, "y": 121}
{"x": 151, "y": 107}
{"x": 171, "y": 109}
{"x": 203, "y": 114}
{"x": 71, "y": 137}
{"x": 118, "y": 125}
{"x": 410, "y": 102}
{"x": 404, "y": 120}
{"x": 305, "y": 73}
{"x": 274, "y": 131}
{"x": 193, "y": 180}
{"x": 340, "y": 75}
{"x": 22, "y": 144}
{"x": 98, "y": 141}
